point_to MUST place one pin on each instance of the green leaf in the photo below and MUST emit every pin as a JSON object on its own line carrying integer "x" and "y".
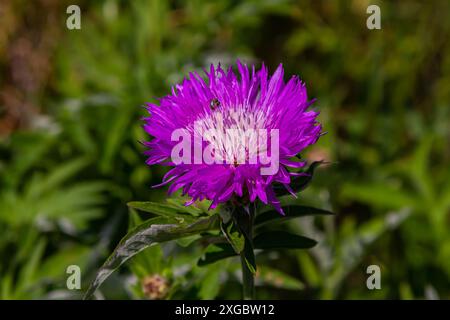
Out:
{"x": 278, "y": 279}
{"x": 172, "y": 207}
{"x": 293, "y": 211}
{"x": 133, "y": 219}
{"x": 215, "y": 253}
{"x": 30, "y": 269}
{"x": 6, "y": 287}
{"x": 56, "y": 177}
{"x": 145, "y": 235}
{"x": 299, "y": 183}
{"x": 233, "y": 236}
{"x": 161, "y": 209}
{"x": 179, "y": 204}
{"x": 282, "y": 240}
{"x": 210, "y": 284}
{"x": 380, "y": 195}
{"x": 147, "y": 261}
{"x": 187, "y": 241}
{"x": 249, "y": 256}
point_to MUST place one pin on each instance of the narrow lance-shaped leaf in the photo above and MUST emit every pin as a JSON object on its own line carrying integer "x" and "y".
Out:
{"x": 249, "y": 256}
{"x": 265, "y": 241}
{"x": 282, "y": 240}
{"x": 291, "y": 212}
{"x": 159, "y": 209}
{"x": 300, "y": 182}
{"x": 143, "y": 236}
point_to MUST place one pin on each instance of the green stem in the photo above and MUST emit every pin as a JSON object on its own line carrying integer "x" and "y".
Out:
{"x": 248, "y": 281}
{"x": 248, "y": 256}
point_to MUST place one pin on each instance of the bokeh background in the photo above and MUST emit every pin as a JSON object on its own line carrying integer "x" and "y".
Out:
{"x": 70, "y": 157}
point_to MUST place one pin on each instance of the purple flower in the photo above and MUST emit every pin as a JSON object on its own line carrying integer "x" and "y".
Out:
{"x": 248, "y": 121}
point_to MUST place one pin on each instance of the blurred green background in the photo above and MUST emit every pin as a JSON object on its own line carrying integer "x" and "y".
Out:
{"x": 70, "y": 156}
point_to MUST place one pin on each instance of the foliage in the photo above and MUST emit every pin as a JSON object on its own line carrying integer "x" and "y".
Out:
{"x": 70, "y": 157}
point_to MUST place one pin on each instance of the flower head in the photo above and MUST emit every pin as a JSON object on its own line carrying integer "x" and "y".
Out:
{"x": 231, "y": 135}
{"x": 155, "y": 287}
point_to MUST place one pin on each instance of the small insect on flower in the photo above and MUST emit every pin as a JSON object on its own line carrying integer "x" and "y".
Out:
{"x": 214, "y": 104}
{"x": 244, "y": 139}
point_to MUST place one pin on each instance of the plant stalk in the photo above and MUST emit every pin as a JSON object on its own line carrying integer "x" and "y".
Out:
{"x": 248, "y": 277}
{"x": 248, "y": 280}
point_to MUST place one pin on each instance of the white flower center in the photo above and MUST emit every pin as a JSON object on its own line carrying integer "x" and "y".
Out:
{"x": 233, "y": 133}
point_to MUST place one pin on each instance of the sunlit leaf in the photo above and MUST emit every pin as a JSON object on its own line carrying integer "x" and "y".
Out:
{"x": 233, "y": 235}
{"x": 161, "y": 209}
{"x": 145, "y": 235}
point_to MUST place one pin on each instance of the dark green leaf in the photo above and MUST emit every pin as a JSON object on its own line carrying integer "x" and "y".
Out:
{"x": 215, "y": 253}
{"x": 282, "y": 240}
{"x": 249, "y": 256}
{"x": 299, "y": 183}
{"x": 291, "y": 212}
{"x": 145, "y": 235}
{"x": 233, "y": 236}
